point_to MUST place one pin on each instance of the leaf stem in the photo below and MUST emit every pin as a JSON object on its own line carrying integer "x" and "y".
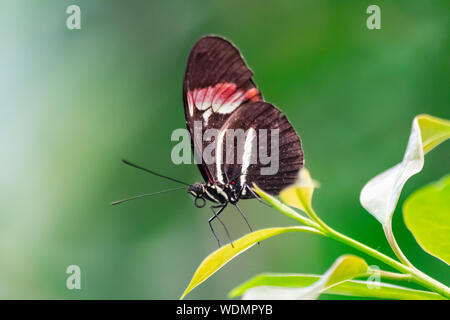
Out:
{"x": 405, "y": 267}
{"x": 288, "y": 211}
{"x": 387, "y": 228}
{"x": 416, "y": 275}
{"x": 393, "y": 275}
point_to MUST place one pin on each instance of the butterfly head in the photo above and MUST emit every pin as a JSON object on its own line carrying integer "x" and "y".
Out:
{"x": 198, "y": 191}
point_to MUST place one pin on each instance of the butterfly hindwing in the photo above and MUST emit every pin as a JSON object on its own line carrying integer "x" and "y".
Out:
{"x": 259, "y": 119}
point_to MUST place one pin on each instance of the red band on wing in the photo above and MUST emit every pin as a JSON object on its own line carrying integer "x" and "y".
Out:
{"x": 222, "y": 98}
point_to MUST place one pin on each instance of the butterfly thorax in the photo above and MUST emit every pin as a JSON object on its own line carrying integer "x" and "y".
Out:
{"x": 215, "y": 192}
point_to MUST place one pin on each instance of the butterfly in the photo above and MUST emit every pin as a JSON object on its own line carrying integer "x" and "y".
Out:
{"x": 219, "y": 94}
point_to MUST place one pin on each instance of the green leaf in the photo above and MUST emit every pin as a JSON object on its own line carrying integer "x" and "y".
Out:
{"x": 300, "y": 194}
{"x": 344, "y": 268}
{"x": 226, "y": 253}
{"x": 347, "y": 288}
{"x": 427, "y": 216}
{"x": 380, "y": 195}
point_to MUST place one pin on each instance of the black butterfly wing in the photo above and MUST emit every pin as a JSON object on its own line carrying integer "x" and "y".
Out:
{"x": 259, "y": 119}
{"x": 217, "y": 82}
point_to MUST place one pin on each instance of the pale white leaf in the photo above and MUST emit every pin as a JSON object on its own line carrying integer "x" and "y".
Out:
{"x": 344, "y": 268}
{"x": 380, "y": 195}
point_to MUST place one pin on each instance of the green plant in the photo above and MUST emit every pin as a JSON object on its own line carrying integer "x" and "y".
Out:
{"x": 426, "y": 213}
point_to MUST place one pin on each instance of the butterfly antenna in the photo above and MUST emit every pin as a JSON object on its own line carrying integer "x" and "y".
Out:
{"x": 153, "y": 172}
{"x": 145, "y": 195}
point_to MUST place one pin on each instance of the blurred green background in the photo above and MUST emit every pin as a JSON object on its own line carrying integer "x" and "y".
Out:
{"x": 74, "y": 102}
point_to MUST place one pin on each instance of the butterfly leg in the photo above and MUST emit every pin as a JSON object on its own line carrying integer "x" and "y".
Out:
{"x": 216, "y": 216}
{"x": 243, "y": 216}
{"x": 212, "y": 230}
{"x": 257, "y": 197}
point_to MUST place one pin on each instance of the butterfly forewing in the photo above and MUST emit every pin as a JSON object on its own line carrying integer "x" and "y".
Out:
{"x": 217, "y": 81}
